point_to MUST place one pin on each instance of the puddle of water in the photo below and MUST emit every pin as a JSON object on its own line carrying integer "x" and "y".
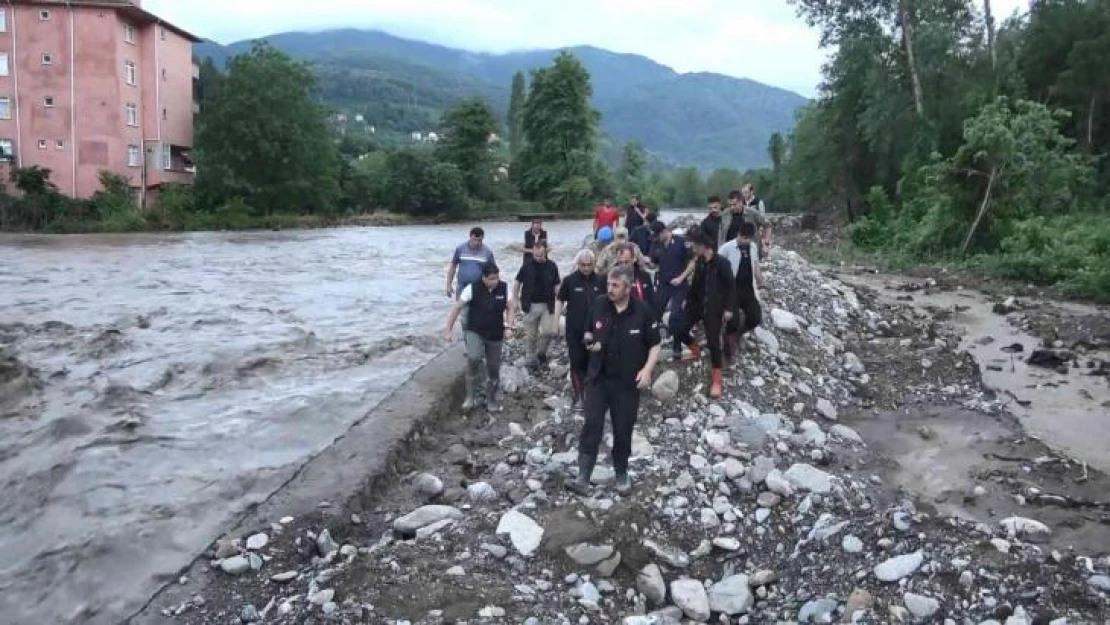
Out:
{"x": 1066, "y": 411}
{"x": 177, "y": 379}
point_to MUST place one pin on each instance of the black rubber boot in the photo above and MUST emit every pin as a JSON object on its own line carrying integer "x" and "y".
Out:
{"x": 623, "y": 482}
{"x": 581, "y": 484}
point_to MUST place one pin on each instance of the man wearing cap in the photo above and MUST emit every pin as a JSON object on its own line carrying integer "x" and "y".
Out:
{"x": 675, "y": 264}
{"x": 608, "y": 256}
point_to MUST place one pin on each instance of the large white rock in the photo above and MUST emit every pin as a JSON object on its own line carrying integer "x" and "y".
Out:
{"x": 689, "y": 595}
{"x": 650, "y": 582}
{"x": 768, "y": 338}
{"x": 424, "y": 515}
{"x": 826, "y": 409}
{"x": 731, "y": 595}
{"x": 784, "y": 321}
{"x": 524, "y": 533}
{"x": 807, "y": 477}
{"x": 846, "y": 433}
{"x": 894, "y": 569}
{"x": 665, "y": 386}
{"x": 587, "y": 554}
{"x": 1017, "y": 526}
{"x": 777, "y": 483}
{"x": 920, "y": 606}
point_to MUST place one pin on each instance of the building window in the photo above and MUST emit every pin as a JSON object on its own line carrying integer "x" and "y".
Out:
{"x": 166, "y": 161}
{"x": 163, "y": 73}
{"x": 162, "y": 33}
{"x": 3, "y": 63}
{"x": 47, "y": 58}
{"x": 134, "y": 158}
{"x": 129, "y": 72}
{"x": 61, "y": 145}
{"x": 44, "y": 16}
{"x": 48, "y": 101}
{"x": 5, "y": 107}
{"x": 7, "y": 149}
{"x": 42, "y": 144}
{"x": 165, "y": 115}
{"x": 129, "y": 34}
{"x": 3, "y": 26}
{"x": 132, "y": 114}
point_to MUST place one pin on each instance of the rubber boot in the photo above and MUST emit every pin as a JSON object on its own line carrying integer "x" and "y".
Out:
{"x": 715, "y": 390}
{"x": 694, "y": 355}
{"x": 471, "y": 399}
{"x": 623, "y": 482}
{"x": 493, "y": 395}
{"x": 581, "y": 484}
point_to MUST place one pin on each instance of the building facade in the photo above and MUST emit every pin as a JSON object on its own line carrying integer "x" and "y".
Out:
{"x": 96, "y": 85}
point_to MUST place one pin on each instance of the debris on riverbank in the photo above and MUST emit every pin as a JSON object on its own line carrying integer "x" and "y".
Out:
{"x": 855, "y": 471}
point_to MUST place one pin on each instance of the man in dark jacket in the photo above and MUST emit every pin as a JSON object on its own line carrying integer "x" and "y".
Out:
{"x": 623, "y": 341}
{"x": 674, "y": 264}
{"x": 712, "y": 301}
{"x": 534, "y": 292}
{"x": 487, "y": 301}
{"x": 576, "y": 294}
{"x": 531, "y": 236}
{"x": 711, "y": 225}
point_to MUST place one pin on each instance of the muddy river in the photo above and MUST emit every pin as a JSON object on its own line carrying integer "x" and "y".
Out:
{"x": 152, "y": 387}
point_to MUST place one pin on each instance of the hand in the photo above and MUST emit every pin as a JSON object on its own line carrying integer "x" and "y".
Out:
{"x": 643, "y": 378}
{"x": 728, "y": 316}
{"x": 450, "y": 290}
{"x": 449, "y": 334}
{"x": 676, "y": 281}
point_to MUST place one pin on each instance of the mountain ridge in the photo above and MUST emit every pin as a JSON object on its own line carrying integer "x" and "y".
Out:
{"x": 704, "y": 119}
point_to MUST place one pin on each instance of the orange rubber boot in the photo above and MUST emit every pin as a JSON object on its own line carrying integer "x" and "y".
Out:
{"x": 694, "y": 355}
{"x": 715, "y": 389}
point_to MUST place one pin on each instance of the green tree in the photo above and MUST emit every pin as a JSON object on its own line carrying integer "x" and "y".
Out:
{"x": 722, "y": 181}
{"x": 465, "y": 144}
{"x": 689, "y": 188}
{"x": 776, "y": 149}
{"x": 633, "y": 163}
{"x": 209, "y": 84}
{"x": 415, "y": 182}
{"x": 266, "y": 141}
{"x": 559, "y": 131}
{"x": 516, "y": 117}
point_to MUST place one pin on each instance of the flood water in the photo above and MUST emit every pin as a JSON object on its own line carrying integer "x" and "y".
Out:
{"x": 152, "y": 387}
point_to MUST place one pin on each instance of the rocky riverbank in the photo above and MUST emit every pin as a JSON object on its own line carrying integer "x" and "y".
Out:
{"x": 857, "y": 470}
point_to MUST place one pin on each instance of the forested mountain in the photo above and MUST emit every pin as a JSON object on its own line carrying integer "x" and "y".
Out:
{"x": 401, "y": 86}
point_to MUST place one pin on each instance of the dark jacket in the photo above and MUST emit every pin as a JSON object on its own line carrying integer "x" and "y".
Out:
{"x": 643, "y": 288}
{"x": 579, "y": 292}
{"x": 713, "y": 289}
{"x": 486, "y": 316}
{"x": 537, "y": 283}
{"x": 626, "y": 339}
{"x": 530, "y": 240}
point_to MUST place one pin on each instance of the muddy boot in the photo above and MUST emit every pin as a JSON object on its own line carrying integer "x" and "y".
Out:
{"x": 715, "y": 389}
{"x": 493, "y": 395}
{"x": 581, "y": 484}
{"x": 470, "y": 402}
{"x": 623, "y": 482}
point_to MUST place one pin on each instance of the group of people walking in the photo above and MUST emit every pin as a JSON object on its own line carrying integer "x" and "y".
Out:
{"x": 613, "y": 303}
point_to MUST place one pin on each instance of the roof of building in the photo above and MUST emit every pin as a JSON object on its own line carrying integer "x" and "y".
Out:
{"x": 127, "y": 7}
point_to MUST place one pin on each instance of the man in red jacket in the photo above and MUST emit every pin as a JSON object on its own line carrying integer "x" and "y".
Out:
{"x": 606, "y": 215}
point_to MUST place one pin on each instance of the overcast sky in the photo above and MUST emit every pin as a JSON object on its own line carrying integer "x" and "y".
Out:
{"x": 758, "y": 39}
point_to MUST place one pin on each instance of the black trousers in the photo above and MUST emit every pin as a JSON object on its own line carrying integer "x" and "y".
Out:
{"x": 751, "y": 315}
{"x": 714, "y": 325}
{"x": 622, "y": 400}
{"x": 579, "y": 360}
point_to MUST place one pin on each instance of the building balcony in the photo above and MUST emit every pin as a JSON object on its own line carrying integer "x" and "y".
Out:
{"x": 196, "y": 71}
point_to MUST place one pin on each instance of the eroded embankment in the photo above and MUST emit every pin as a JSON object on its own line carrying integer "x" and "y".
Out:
{"x": 856, "y": 469}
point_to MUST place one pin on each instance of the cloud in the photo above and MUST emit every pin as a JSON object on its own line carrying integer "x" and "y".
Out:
{"x": 759, "y": 39}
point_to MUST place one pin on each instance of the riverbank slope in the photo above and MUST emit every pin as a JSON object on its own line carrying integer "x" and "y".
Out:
{"x": 858, "y": 467}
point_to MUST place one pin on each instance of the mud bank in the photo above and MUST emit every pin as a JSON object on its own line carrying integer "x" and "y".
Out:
{"x": 857, "y": 469}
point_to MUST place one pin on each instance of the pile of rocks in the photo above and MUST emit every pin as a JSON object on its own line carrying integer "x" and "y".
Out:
{"x": 745, "y": 509}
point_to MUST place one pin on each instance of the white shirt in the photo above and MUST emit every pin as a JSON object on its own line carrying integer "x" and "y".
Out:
{"x": 731, "y": 252}
{"x": 467, "y": 294}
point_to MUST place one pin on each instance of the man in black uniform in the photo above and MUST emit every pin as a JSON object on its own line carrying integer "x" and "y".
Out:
{"x": 577, "y": 293}
{"x": 711, "y": 300}
{"x": 487, "y": 303}
{"x": 711, "y": 225}
{"x": 643, "y": 287}
{"x": 623, "y": 341}
{"x": 533, "y": 235}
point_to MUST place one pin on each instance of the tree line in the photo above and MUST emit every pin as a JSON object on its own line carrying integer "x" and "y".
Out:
{"x": 942, "y": 134}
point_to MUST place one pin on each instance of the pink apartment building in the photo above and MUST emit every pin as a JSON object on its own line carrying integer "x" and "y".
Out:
{"x": 94, "y": 85}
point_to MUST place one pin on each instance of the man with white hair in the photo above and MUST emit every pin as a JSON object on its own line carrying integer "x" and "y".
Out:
{"x": 576, "y": 294}
{"x": 623, "y": 340}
